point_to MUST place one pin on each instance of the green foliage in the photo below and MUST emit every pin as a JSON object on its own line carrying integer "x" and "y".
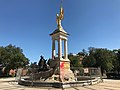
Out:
{"x": 116, "y": 61}
{"x": 75, "y": 61}
{"x": 104, "y": 59}
{"x": 99, "y": 57}
{"x": 12, "y": 57}
{"x": 89, "y": 61}
{"x": 108, "y": 60}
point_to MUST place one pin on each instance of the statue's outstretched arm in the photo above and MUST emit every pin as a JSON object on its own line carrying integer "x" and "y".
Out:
{"x": 61, "y": 13}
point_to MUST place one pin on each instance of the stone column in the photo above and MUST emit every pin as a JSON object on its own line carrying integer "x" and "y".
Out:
{"x": 53, "y": 49}
{"x": 65, "y": 49}
{"x": 60, "y": 48}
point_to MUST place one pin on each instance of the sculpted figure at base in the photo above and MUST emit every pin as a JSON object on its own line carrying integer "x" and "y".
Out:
{"x": 42, "y": 65}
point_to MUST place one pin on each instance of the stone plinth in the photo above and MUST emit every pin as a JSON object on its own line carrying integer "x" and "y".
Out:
{"x": 66, "y": 74}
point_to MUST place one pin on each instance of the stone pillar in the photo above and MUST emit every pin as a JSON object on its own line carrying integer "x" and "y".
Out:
{"x": 65, "y": 49}
{"x": 53, "y": 49}
{"x": 60, "y": 48}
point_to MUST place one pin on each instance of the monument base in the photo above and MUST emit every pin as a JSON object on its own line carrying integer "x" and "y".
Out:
{"x": 63, "y": 72}
{"x": 66, "y": 74}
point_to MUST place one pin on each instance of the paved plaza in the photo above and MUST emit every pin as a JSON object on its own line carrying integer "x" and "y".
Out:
{"x": 108, "y": 84}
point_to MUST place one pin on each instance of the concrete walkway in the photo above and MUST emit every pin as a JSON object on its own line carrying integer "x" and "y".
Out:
{"x": 108, "y": 84}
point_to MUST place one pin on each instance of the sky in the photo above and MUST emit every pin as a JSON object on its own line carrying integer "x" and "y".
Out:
{"x": 28, "y": 23}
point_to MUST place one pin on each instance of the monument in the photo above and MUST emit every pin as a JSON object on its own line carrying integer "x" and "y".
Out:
{"x": 59, "y": 36}
{"x": 56, "y": 72}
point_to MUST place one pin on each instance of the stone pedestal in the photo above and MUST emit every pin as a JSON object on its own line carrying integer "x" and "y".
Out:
{"x": 66, "y": 74}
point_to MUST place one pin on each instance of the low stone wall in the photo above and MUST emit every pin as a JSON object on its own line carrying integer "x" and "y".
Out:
{"x": 59, "y": 84}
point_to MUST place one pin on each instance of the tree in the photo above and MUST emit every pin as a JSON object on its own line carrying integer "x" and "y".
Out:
{"x": 83, "y": 53}
{"x": 12, "y": 57}
{"x": 99, "y": 57}
{"x": 104, "y": 59}
{"x": 116, "y": 62}
{"x": 75, "y": 62}
{"x": 89, "y": 61}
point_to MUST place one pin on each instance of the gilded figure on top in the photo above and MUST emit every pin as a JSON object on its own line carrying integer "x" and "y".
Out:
{"x": 60, "y": 17}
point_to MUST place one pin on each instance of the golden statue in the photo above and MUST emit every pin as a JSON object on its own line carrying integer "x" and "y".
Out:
{"x": 60, "y": 17}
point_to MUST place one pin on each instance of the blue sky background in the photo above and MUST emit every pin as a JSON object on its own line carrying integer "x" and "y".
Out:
{"x": 90, "y": 23}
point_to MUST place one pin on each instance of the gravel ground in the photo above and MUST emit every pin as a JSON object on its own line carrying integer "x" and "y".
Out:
{"x": 108, "y": 84}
